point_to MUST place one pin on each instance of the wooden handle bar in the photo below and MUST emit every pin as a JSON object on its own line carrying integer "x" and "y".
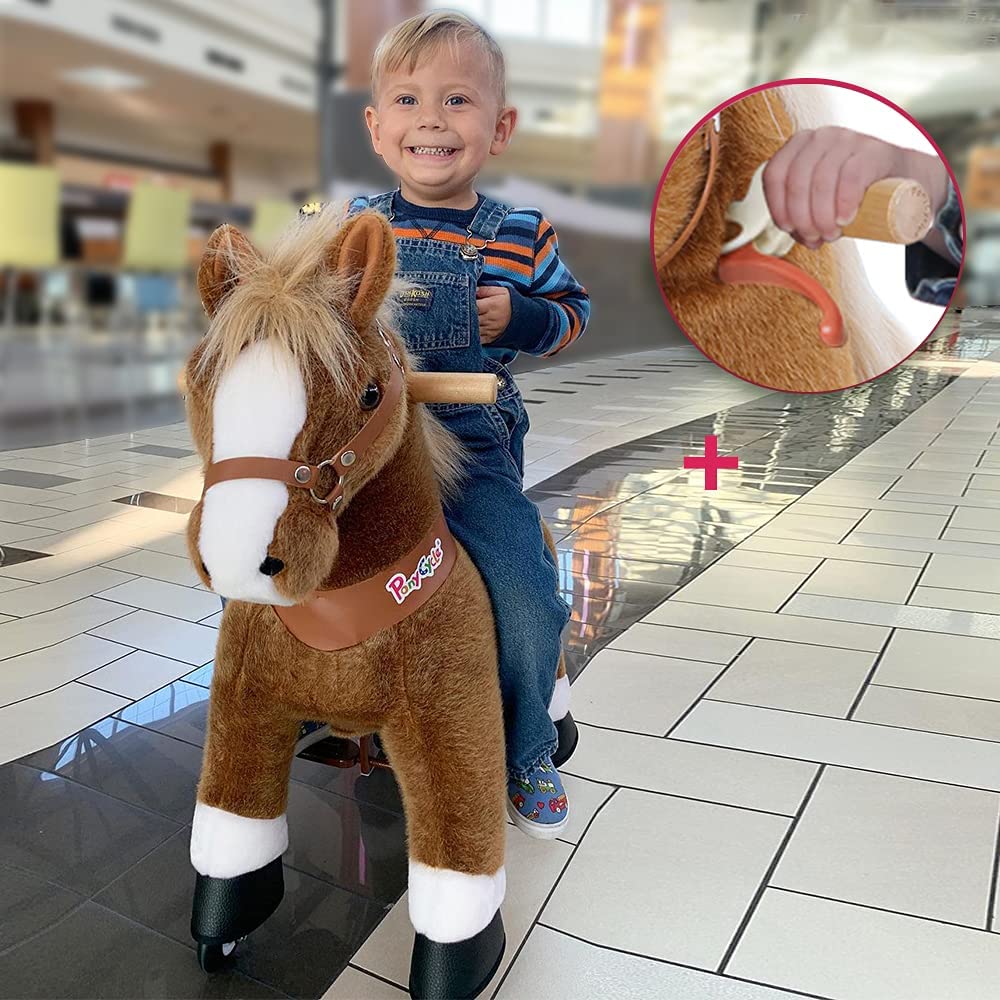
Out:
{"x": 452, "y": 387}
{"x": 433, "y": 387}
{"x": 893, "y": 210}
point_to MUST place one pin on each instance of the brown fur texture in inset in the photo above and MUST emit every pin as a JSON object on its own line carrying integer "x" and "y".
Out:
{"x": 767, "y": 335}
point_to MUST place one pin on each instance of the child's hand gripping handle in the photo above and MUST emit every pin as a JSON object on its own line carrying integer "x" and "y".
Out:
{"x": 452, "y": 387}
{"x": 893, "y": 210}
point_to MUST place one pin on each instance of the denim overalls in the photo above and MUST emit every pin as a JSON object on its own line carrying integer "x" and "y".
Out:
{"x": 495, "y": 522}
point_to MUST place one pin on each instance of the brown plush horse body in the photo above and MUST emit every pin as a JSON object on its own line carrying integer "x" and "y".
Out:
{"x": 295, "y": 366}
{"x": 763, "y": 333}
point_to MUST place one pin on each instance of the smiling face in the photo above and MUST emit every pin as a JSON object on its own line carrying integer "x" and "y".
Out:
{"x": 436, "y": 125}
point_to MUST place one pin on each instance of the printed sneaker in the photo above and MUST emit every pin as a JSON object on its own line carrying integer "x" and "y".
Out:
{"x": 537, "y": 803}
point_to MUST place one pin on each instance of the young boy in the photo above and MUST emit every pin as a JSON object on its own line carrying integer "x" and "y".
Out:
{"x": 490, "y": 284}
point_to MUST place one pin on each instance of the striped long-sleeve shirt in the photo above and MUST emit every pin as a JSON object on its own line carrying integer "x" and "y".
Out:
{"x": 549, "y": 307}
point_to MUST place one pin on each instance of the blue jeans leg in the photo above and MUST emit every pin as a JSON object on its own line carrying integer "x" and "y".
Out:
{"x": 501, "y": 530}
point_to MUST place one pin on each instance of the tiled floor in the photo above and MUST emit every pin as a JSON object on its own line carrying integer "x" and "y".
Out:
{"x": 787, "y": 781}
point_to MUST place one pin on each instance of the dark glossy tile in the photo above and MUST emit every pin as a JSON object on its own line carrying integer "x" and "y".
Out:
{"x": 346, "y": 842}
{"x": 607, "y": 614}
{"x": 69, "y": 834}
{"x": 95, "y": 953}
{"x": 36, "y": 480}
{"x": 378, "y": 791}
{"x": 10, "y": 556}
{"x": 179, "y": 710}
{"x": 29, "y": 904}
{"x": 162, "y": 450}
{"x": 137, "y": 765}
{"x": 576, "y": 564}
{"x": 299, "y": 950}
{"x": 202, "y": 676}
{"x": 159, "y": 501}
{"x": 623, "y": 590}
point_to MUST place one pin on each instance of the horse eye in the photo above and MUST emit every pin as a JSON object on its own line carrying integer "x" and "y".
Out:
{"x": 370, "y": 397}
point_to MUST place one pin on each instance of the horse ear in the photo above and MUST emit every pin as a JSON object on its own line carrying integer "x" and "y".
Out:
{"x": 365, "y": 250}
{"x": 227, "y": 253}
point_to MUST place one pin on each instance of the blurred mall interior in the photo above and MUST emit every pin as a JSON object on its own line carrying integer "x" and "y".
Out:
{"x": 787, "y": 782}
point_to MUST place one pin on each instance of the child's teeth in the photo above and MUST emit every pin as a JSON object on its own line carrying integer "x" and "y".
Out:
{"x": 433, "y": 150}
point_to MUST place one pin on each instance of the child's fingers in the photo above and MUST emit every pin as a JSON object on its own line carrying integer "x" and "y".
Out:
{"x": 857, "y": 173}
{"x": 489, "y": 291}
{"x": 776, "y": 177}
{"x": 799, "y": 190}
{"x": 825, "y": 181}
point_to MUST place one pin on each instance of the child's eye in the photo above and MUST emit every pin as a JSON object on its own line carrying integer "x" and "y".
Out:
{"x": 456, "y": 100}
{"x": 406, "y": 99}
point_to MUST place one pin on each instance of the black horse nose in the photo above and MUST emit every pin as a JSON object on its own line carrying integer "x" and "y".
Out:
{"x": 271, "y": 566}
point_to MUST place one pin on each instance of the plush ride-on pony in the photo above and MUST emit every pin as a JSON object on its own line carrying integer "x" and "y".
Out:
{"x": 349, "y": 600}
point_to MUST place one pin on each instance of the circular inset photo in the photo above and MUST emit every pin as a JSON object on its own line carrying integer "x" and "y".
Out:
{"x": 807, "y": 235}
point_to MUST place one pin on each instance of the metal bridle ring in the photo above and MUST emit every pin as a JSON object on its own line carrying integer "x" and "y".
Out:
{"x": 312, "y": 489}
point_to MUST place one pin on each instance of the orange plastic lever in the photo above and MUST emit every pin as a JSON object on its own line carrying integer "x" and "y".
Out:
{"x": 747, "y": 266}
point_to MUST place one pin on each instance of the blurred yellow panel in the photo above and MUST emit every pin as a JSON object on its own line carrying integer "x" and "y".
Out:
{"x": 270, "y": 216}
{"x": 156, "y": 228}
{"x": 29, "y": 208}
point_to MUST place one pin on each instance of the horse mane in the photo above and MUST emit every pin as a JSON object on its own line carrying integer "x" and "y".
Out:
{"x": 287, "y": 295}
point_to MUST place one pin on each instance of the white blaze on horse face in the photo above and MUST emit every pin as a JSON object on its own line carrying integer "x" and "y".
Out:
{"x": 258, "y": 410}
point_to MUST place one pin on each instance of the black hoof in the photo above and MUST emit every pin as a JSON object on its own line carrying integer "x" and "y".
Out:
{"x": 215, "y": 957}
{"x": 569, "y": 736}
{"x": 458, "y": 971}
{"x": 226, "y": 909}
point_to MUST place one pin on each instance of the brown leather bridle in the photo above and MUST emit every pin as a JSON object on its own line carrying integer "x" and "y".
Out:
{"x": 711, "y": 141}
{"x": 304, "y": 475}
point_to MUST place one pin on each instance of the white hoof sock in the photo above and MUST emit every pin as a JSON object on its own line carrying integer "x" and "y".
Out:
{"x": 224, "y": 845}
{"x": 448, "y": 906}
{"x": 559, "y": 705}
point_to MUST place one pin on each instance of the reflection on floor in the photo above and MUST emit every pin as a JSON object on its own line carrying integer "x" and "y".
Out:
{"x": 778, "y": 788}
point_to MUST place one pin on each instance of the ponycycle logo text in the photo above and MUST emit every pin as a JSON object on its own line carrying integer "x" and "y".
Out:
{"x": 402, "y": 586}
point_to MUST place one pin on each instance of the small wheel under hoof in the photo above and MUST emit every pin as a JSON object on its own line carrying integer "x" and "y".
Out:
{"x": 215, "y": 957}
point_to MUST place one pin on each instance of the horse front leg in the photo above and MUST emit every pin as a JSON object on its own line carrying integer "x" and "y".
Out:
{"x": 239, "y": 830}
{"x": 447, "y": 752}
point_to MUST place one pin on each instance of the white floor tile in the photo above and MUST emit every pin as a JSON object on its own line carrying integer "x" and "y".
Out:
{"x": 833, "y": 949}
{"x": 158, "y": 566}
{"x": 170, "y": 637}
{"x": 974, "y": 535}
{"x": 168, "y": 598}
{"x": 843, "y": 609}
{"x": 740, "y": 587}
{"x": 895, "y": 523}
{"x": 639, "y": 692}
{"x": 752, "y": 559}
{"x": 894, "y": 843}
{"x": 978, "y": 518}
{"x": 692, "y": 872}
{"x": 20, "y": 534}
{"x": 22, "y": 635}
{"x": 936, "y": 713}
{"x": 48, "y": 596}
{"x": 18, "y": 513}
{"x": 571, "y": 969}
{"x": 714, "y": 774}
{"x": 585, "y": 798}
{"x": 947, "y": 664}
{"x": 352, "y": 984}
{"x": 805, "y": 528}
{"x": 949, "y": 546}
{"x": 39, "y": 722}
{"x": 136, "y": 675}
{"x": 766, "y": 625}
{"x": 685, "y": 643}
{"x": 842, "y": 578}
{"x": 795, "y": 677}
{"x": 43, "y": 670}
{"x": 827, "y": 550}
{"x": 962, "y": 573}
{"x": 957, "y": 600}
{"x": 849, "y": 744}
{"x": 54, "y": 567}
{"x": 532, "y": 869}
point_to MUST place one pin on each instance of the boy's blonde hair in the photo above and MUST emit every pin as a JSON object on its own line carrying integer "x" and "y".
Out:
{"x": 417, "y": 36}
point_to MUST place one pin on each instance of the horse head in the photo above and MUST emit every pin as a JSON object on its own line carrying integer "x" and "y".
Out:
{"x": 296, "y": 398}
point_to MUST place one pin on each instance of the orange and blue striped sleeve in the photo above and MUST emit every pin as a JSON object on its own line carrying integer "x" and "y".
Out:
{"x": 555, "y": 308}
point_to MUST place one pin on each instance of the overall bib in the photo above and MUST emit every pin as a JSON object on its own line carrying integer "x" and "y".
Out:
{"x": 497, "y": 525}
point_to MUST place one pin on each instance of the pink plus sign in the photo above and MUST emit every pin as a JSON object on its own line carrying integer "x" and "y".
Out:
{"x": 711, "y": 463}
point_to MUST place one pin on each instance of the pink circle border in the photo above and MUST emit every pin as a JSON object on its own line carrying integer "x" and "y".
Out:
{"x": 770, "y": 86}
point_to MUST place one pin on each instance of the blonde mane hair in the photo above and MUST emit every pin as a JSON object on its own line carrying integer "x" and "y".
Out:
{"x": 291, "y": 297}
